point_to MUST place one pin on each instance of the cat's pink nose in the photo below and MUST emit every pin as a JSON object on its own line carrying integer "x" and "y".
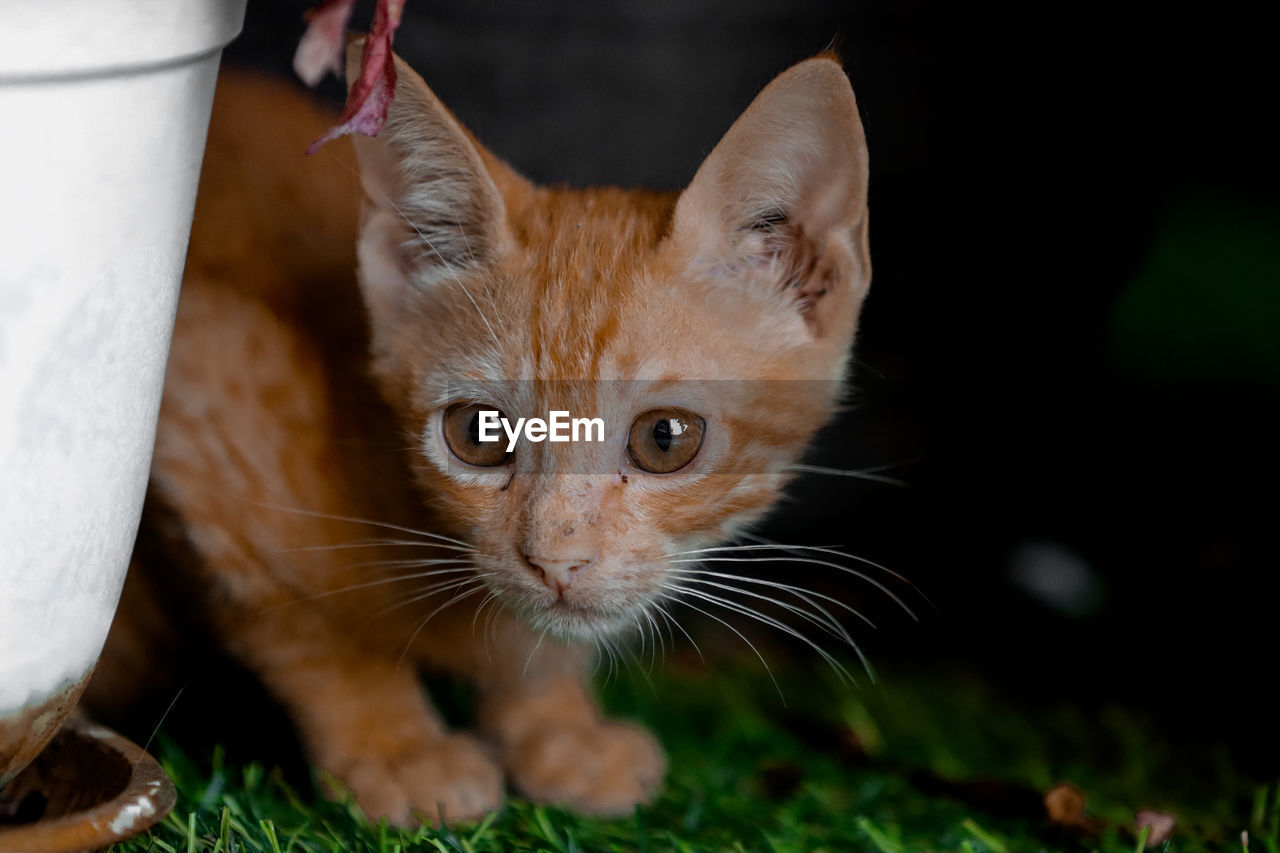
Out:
{"x": 557, "y": 574}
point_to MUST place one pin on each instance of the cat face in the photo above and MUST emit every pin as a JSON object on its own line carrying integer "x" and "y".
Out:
{"x": 709, "y": 331}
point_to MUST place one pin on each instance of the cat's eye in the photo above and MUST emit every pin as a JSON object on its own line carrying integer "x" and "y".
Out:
{"x": 462, "y": 434}
{"x": 665, "y": 440}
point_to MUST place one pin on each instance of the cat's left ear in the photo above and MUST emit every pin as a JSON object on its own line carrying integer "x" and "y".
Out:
{"x": 781, "y": 202}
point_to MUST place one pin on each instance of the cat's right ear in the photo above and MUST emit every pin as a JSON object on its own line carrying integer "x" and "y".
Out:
{"x": 432, "y": 208}
{"x": 781, "y": 202}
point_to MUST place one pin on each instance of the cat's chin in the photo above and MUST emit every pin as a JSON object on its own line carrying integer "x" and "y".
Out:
{"x": 575, "y": 623}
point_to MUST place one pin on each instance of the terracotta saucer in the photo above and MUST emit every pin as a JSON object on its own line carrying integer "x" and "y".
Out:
{"x": 88, "y": 789}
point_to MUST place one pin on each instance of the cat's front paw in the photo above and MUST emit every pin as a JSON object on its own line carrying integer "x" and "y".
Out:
{"x": 449, "y": 778}
{"x": 601, "y": 768}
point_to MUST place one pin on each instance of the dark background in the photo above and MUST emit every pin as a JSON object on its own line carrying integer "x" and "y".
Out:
{"x": 1071, "y": 352}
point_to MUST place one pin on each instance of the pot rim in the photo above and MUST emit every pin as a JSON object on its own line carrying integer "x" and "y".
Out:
{"x": 80, "y": 39}
{"x": 146, "y": 798}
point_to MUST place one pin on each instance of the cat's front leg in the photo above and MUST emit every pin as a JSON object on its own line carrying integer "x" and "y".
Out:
{"x": 365, "y": 720}
{"x": 557, "y": 748}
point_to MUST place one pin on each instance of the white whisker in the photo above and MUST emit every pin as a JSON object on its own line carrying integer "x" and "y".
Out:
{"x": 409, "y": 564}
{"x": 742, "y": 636}
{"x": 533, "y": 652}
{"x": 597, "y": 657}
{"x": 864, "y": 474}
{"x": 828, "y": 563}
{"x": 671, "y": 620}
{"x": 640, "y": 631}
{"x": 838, "y": 553}
{"x": 826, "y": 549}
{"x": 493, "y": 593}
{"x": 798, "y": 591}
{"x": 831, "y": 625}
{"x": 372, "y": 583}
{"x": 373, "y": 543}
{"x": 635, "y": 660}
{"x": 430, "y": 590}
{"x": 752, "y": 613}
{"x": 491, "y": 621}
{"x": 657, "y": 640}
{"x": 456, "y": 598}
{"x": 620, "y": 657}
{"x": 355, "y": 520}
{"x": 767, "y": 545}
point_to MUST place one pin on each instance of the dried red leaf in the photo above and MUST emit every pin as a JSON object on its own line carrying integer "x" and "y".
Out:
{"x": 1161, "y": 825}
{"x": 372, "y": 93}
{"x": 320, "y": 49}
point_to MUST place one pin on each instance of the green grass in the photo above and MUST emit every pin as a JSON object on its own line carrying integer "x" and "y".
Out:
{"x": 916, "y": 763}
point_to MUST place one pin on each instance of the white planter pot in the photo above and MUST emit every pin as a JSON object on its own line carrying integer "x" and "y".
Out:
{"x": 104, "y": 108}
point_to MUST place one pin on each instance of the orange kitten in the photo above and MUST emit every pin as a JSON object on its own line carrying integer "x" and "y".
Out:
{"x": 344, "y": 526}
